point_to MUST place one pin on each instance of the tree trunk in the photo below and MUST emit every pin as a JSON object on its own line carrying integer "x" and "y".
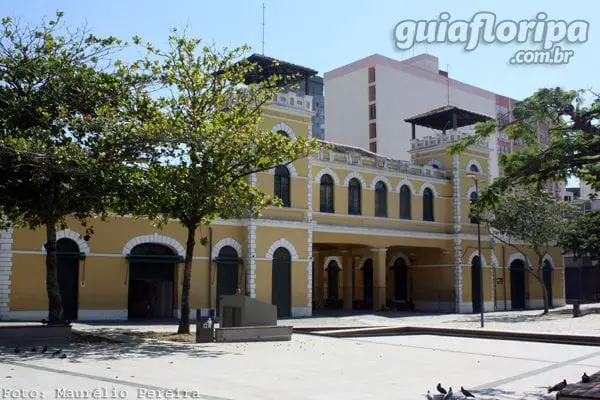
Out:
{"x": 55, "y": 309}
{"x": 540, "y": 279}
{"x": 184, "y": 322}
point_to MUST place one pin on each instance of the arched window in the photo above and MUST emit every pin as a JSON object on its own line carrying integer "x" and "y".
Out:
{"x": 428, "y": 205}
{"x": 380, "y": 200}
{"x": 473, "y": 168}
{"x": 326, "y": 195}
{"x": 354, "y": 205}
{"x": 283, "y": 133}
{"x": 435, "y": 166}
{"x": 282, "y": 184}
{"x": 473, "y": 199}
{"x": 405, "y": 200}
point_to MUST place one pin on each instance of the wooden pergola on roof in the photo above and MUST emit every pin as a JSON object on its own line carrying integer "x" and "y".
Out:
{"x": 268, "y": 67}
{"x": 446, "y": 117}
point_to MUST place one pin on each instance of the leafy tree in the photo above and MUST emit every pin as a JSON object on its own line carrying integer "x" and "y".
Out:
{"x": 528, "y": 219}
{"x": 574, "y": 148}
{"x": 210, "y": 122}
{"x": 66, "y": 115}
{"x": 582, "y": 236}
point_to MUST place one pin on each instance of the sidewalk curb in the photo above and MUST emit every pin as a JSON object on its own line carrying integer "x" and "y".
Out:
{"x": 582, "y": 340}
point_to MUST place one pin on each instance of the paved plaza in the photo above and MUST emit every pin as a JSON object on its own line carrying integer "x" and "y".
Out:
{"x": 308, "y": 367}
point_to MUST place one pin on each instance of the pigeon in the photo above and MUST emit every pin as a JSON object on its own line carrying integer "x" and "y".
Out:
{"x": 62, "y": 356}
{"x": 57, "y": 352}
{"x": 17, "y": 350}
{"x": 449, "y": 395}
{"x": 558, "y": 387}
{"x": 429, "y": 396}
{"x": 33, "y": 349}
{"x": 45, "y": 348}
{"x": 585, "y": 378}
{"x": 466, "y": 393}
{"x": 44, "y": 321}
{"x": 441, "y": 389}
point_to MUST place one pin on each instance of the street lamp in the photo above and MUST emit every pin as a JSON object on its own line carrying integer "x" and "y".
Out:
{"x": 475, "y": 177}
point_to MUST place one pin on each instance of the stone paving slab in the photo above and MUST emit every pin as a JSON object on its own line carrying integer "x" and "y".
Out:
{"x": 308, "y": 367}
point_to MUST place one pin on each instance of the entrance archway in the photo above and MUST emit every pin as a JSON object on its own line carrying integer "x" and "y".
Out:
{"x": 517, "y": 284}
{"x": 400, "y": 269}
{"x": 333, "y": 282}
{"x": 227, "y": 273}
{"x": 281, "y": 282}
{"x": 367, "y": 271}
{"x": 68, "y": 276}
{"x": 476, "y": 284}
{"x": 151, "y": 281}
{"x": 547, "y": 278}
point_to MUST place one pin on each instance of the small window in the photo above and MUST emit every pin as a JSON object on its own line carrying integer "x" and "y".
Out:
{"x": 372, "y": 93}
{"x": 372, "y": 111}
{"x": 373, "y": 147}
{"x": 372, "y": 130}
{"x": 435, "y": 166}
{"x": 354, "y": 189}
{"x": 380, "y": 200}
{"x": 371, "y": 74}
{"x": 282, "y": 185}
{"x": 473, "y": 168}
{"x": 428, "y": 205}
{"x": 326, "y": 194}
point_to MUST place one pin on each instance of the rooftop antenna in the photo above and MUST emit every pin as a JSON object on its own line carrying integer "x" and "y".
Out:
{"x": 263, "y": 29}
{"x": 448, "y": 81}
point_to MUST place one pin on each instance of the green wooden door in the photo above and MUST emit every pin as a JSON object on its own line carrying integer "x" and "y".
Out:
{"x": 281, "y": 282}
{"x": 227, "y": 273}
{"x": 68, "y": 276}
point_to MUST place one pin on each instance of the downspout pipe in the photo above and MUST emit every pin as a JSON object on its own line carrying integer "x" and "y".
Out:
{"x": 210, "y": 268}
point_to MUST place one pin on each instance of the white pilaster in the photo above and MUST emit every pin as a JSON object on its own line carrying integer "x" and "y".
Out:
{"x": 251, "y": 252}
{"x": 309, "y": 269}
{"x": 457, "y": 229}
{"x": 6, "y": 240}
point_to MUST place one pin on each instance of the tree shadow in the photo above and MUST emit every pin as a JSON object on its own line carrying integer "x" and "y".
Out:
{"x": 500, "y": 394}
{"x": 98, "y": 348}
{"x": 507, "y": 318}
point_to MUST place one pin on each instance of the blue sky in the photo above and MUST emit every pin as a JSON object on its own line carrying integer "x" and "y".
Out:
{"x": 325, "y": 34}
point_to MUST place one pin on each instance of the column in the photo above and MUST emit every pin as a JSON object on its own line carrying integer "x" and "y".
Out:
{"x": 348, "y": 272}
{"x": 379, "y": 275}
{"x": 318, "y": 279}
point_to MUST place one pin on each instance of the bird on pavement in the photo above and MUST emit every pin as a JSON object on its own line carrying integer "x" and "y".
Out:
{"x": 449, "y": 395}
{"x": 45, "y": 348}
{"x": 33, "y": 349}
{"x": 585, "y": 378}
{"x": 17, "y": 350}
{"x": 57, "y": 352}
{"x": 62, "y": 356}
{"x": 441, "y": 389}
{"x": 466, "y": 393}
{"x": 44, "y": 321}
{"x": 558, "y": 387}
{"x": 429, "y": 396}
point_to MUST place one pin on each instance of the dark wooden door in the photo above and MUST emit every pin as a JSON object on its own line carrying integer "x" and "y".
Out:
{"x": 476, "y": 284}
{"x": 517, "y": 285}
{"x": 281, "y": 282}
{"x": 368, "y": 283}
{"x": 227, "y": 273}
{"x": 547, "y": 277}
{"x": 333, "y": 272}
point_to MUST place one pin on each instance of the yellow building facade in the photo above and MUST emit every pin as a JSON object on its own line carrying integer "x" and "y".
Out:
{"x": 357, "y": 231}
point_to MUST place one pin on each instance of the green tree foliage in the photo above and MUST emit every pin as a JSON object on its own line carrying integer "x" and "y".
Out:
{"x": 529, "y": 219}
{"x": 574, "y": 134}
{"x": 210, "y": 124}
{"x": 66, "y": 117}
{"x": 582, "y": 236}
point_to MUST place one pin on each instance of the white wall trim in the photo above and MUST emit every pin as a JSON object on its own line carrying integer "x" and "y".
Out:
{"x": 437, "y": 163}
{"x": 383, "y": 179}
{"x": 517, "y": 256}
{"x": 76, "y": 237}
{"x": 226, "y": 242}
{"x": 407, "y": 183}
{"x": 155, "y": 238}
{"x": 425, "y": 186}
{"x": 286, "y": 245}
{"x": 327, "y": 171}
{"x": 472, "y": 256}
{"x": 6, "y": 264}
{"x": 471, "y": 190}
{"x": 332, "y": 258}
{"x": 284, "y": 128}
{"x": 358, "y": 176}
{"x": 364, "y": 259}
{"x": 290, "y": 167}
{"x": 548, "y": 258}
{"x": 398, "y": 255}
{"x": 476, "y": 163}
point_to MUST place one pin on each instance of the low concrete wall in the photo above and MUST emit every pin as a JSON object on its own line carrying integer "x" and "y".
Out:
{"x": 34, "y": 335}
{"x": 254, "y": 334}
